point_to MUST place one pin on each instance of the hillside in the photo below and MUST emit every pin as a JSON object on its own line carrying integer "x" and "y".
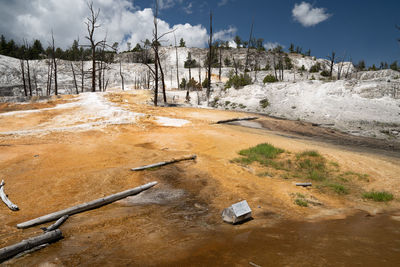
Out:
{"x": 363, "y": 103}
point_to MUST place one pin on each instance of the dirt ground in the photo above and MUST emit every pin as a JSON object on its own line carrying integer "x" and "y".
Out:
{"x": 178, "y": 222}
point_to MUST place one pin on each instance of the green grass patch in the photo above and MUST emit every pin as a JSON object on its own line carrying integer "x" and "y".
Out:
{"x": 309, "y": 153}
{"x": 262, "y": 153}
{"x": 339, "y": 189}
{"x": 301, "y": 202}
{"x": 377, "y": 196}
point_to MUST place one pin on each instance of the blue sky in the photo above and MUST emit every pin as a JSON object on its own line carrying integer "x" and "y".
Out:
{"x": 363, "y": 29}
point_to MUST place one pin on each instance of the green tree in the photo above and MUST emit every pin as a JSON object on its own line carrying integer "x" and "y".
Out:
{"x": 227, "y": 62}
{"x": 36, "y": 49}
{"x": 182, "y": 43}
{"x": 361, "y": 65}
{"x": 137, "y": 48}
{"x": 238, "y": 41}
{"x": 291, "y": 48}
{"x": 3, "y": 45}
{"x": 190, "y": 63}
{"x": 394, "y": 66}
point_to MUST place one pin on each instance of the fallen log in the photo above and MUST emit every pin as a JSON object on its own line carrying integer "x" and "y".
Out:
{"x": 304, "y": 184}
{"x": 57, "y": 224}
{"x": 5, "y": 199}
{"x": 237, "y": 119}
{"x": 86, "y": 206}
{"x": 192, "y": 157}
{"x": 11, "y": 251}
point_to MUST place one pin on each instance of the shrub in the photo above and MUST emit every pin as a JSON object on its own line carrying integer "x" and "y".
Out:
{"x": 204, "y": 84}
{"x": 301, "y": 202}
{"x": 270, "y": 79}
{"x": 238, "y": 81}
{"x": 338, "y": 188}
{"x": 183, "y": 83}
{"x": 264, "y": 103}
{"x": 214, "y": 102}
{"x": 316, "y": 67}
{"x": 325, "y": 73}
{"x": 378, "y": 196}
{"x": 267, "y": 67}
{"x": 193, "y": 84}
{"x": 227, "y": 62}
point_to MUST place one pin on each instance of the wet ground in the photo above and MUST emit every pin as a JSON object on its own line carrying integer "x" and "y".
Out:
{"x": 178, "y": 222}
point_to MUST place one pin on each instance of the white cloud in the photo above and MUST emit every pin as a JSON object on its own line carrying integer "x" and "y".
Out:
{"x": 165, "y": 4}
{"x": 272, "y": 45}
{"x": 307, "y": 15}
{"x": 225, "y": 35}
{"x": 223, "y": 2}
{"x": 188, "y": 8}
{"x": 120, "y": 19}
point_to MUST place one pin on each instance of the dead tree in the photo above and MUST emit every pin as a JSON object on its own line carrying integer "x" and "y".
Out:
{"x": 53, "y": 50}
{"x": 248, "y": 47}
{"x": 236, "y": 66}
{"x": 340, "y": 66}
{"x": 82, "y": 71}
{"x": 332, "y": 62}
{"x": 155, "y": 44}
{"x": 28, "y": 67}
{"x": 29, "y": 77}
{"x": 220, "y": 63}
{"x": 49, "y": 74}
{"x": 92, "y": 25}
{"x": 177, "y": 62}
{"x": 162, "y": 80}
{"x": 199, "y": 71}
{"x": 23, "y": 76}
{"x": 122, "y": 76}
{"x": 209, "y": 59}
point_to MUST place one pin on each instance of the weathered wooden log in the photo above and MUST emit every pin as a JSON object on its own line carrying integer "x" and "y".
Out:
{"x": 5, "y": 199}
{"x": 57, "y": 224}
{"x": 192, "y": 157}
{"x": 49, "y": 237}
{"x": 86, "y": 206}
{"x": 304, "y": 184}
{"x": 237, "y": 119}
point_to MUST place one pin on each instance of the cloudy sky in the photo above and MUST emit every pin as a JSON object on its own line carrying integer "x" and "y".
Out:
{"x": 358, "y": 29}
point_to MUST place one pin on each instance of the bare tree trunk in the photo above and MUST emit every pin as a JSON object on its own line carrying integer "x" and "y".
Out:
{"x": 199, "y": 72}
{"x": 35, "y": 81}
{"x": 54, "y": 64}
{"x": 236, "y": 66}
{"x": 122, "y": 77}
{"x": 162, "y": 81}
{"x": 29, "y": 78}
{"x": 50, "y": 78}
{"x": 155, "y": 46}
{"x": 332, "y": 62}
{"x": 74, "y": 77}
{"x": 220, "y": 64}
{"x": 209, "y": 59}
{"x": 23, "y": 77}
{"x": 248, "y": 47}
{"x": 82, "y": 75}
{"x": 177, "y": 63}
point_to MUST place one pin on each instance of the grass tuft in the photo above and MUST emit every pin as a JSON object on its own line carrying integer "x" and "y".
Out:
{"x": 301, "y": 202}
{"x": 338, "y": 188}
{"x": 377, "y": 196}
